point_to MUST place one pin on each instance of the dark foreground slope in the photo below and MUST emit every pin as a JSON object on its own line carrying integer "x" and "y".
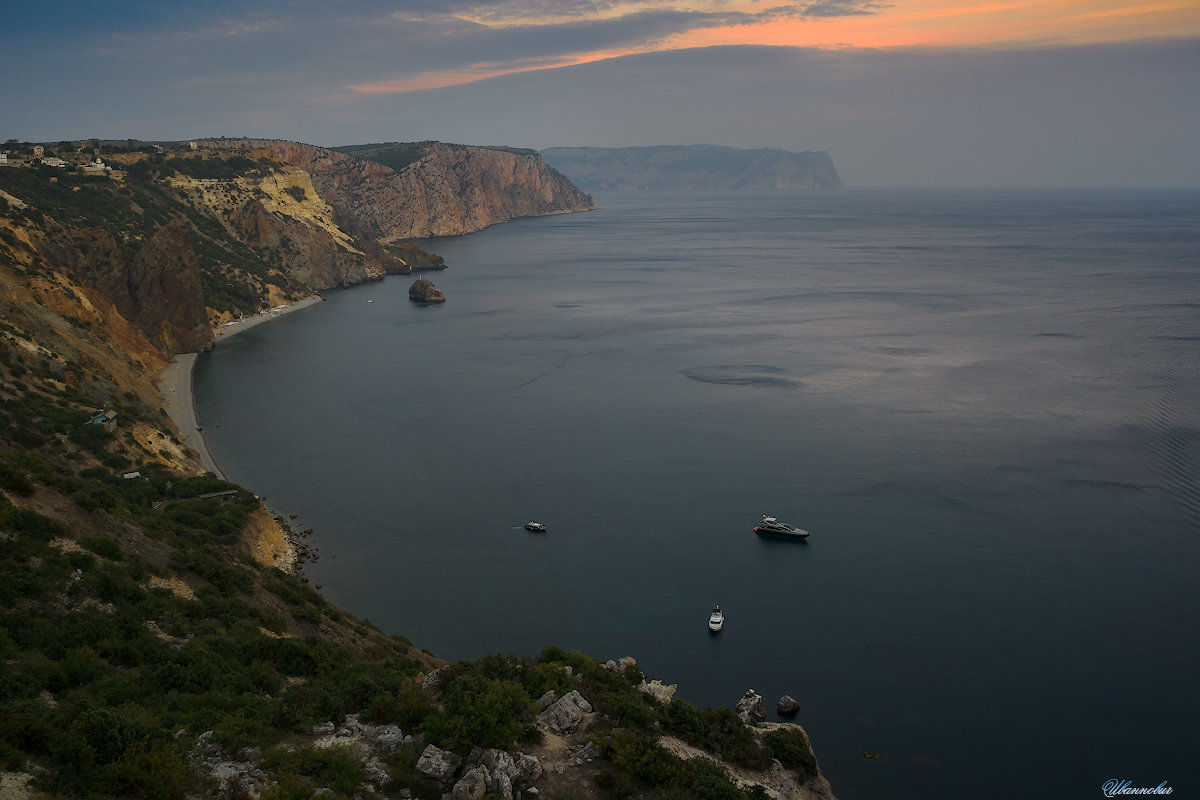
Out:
{"x": 693, "y": 167}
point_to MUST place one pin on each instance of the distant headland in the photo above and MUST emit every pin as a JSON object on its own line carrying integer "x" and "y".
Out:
{"x": 696, "y": 167}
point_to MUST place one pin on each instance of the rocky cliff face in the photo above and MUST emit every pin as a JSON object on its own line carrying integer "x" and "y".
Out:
{"x": 450, "y": 190}
{"x": 313, "y": 256}
{"x": 693, "y": 167}
{"x": 164, "y": 283}
{"x": 278, "y": 213}
{"x": 195, "y": 238}
{"x": 158, "y": 291}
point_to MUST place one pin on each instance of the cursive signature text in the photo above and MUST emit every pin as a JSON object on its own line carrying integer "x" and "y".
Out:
{"x": 1115, "y": 787}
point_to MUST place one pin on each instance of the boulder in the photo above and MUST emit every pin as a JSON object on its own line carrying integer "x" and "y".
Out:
{"x": 787, "y": 706}
{"x": 472, "y": 785}
{"x": 498, "y": 762}
{"x": 658, "y": 691}
{"x": 387, "y": 738}
{"x": 546, "y": 700}
{"x": 376, "y": 773}
{"x": 752, "y": 708}
{"x": 437, "y": 763}
{"x": 423, "y": 291}
{"x": 528, "y": 768}
{"x": 566, "y": 713}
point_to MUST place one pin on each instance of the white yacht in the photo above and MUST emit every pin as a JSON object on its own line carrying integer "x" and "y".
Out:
{"x": 716, "y": 620}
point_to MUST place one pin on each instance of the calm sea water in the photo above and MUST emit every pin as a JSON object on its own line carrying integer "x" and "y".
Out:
{"x": 985, "y": 405}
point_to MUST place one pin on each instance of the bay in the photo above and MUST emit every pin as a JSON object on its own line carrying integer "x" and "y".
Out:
{"x": 982, "y": 403}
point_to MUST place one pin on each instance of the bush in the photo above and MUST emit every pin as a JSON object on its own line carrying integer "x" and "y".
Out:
{"x": 334, "y": 767}
{"x": 720, "y": 732}
{"x": 478, "y": 712}
{"x": 14, "y": 479}
{"x": 790, "y": 747}
{"x": 103, "y": 547}
{"x": 33, "y": 524}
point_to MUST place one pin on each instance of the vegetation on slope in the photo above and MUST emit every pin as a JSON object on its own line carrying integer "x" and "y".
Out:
{"x": 233, "y": 276}
{"x": 398, "y": 155}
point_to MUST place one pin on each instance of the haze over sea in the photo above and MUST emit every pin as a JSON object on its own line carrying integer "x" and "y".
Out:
{"x": 985, "y": 405}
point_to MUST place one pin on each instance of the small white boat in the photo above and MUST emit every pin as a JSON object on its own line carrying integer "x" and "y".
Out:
{"x": 536, "y": 527}
{"x": 716, "y": 620}
{"x": 770, "y": 526}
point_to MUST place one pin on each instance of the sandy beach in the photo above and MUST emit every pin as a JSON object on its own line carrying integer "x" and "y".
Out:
{"x": 175, "y": 381}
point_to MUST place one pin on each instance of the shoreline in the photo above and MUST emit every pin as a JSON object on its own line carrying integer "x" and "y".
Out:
{"x": 175, "y": 381}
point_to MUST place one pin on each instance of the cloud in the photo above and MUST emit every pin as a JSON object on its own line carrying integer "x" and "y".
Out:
{"x": 524, "y": 36}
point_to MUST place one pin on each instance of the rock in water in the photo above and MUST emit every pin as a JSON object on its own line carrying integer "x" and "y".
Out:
{"x": 787, "y": 706}
{"x": 752, "y": 708}
{"x": 423, "y": 291}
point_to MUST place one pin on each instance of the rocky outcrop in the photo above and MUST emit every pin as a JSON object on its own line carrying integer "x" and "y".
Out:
{"x": 658, "y": 690}
{"x": 437, "y": 763}
{"x": 787, "y": 706}
{"x": 495, "y": 773}
{"x": 310, "y": 255}
{"x": 449, "y": 190}
{"x": 414, "y": 257}
{"x": 423, "y": 291}
{"x": 693, "y": 167}
{"x": 565, "y": 713}
{"x": 752, "y": 708}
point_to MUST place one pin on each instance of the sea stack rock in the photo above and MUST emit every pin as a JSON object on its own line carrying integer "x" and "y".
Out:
{"x": 423, "y": 291}
{"x": 787, "y": 706}
{"x": 752, "y": 708}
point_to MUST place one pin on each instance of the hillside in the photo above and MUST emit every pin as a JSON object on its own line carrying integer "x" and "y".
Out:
{"x": 158, "y": 638}
{"x": 693, "y": 167}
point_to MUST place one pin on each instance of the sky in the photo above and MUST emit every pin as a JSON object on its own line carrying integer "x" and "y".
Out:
{"x": 899, "y": 92}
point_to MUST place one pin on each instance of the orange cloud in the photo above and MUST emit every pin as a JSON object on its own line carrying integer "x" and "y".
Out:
{"x": 481, "y": 71}
{"x": 950, "y": 23}
{"x": 900, "y": 23}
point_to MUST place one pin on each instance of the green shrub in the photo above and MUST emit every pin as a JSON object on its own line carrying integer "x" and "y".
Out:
{"x": 480, "y": 712}
{"x": 337, "y": 768}
{"x": 33, "y": 524}
{"x": 789, "y": 746}
{"x": 14, "y": 479}
{"x": 720, "y": 732}
{"x": 103, "y": 547}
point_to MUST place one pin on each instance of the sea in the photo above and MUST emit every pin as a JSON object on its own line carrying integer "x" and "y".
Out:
{"x": 983, "y": 404}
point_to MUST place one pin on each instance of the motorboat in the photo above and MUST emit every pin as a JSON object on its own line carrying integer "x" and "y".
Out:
{"x": 536, "y": 527}
{"x": 770, "y": 526}
{"x": 716, "y": 620}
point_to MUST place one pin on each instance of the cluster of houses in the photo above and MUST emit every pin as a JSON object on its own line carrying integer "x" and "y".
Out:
{"x": 94, "y": 167}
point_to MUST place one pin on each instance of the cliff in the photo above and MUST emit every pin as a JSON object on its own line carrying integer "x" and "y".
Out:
{"x": 192, "y": 237}
{"x": 693, "y": 167}
{"x": 438, "y": 189}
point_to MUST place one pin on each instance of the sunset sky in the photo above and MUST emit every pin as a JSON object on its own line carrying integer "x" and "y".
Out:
{"x": 930, "y": 92}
